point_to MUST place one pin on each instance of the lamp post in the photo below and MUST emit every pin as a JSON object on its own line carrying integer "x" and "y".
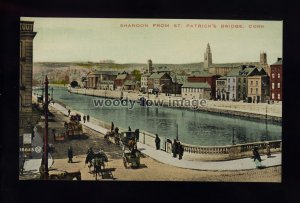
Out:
{"x": 233, "y": 136}
{"x": 165, "y": 135}
{"x": 46, "y": 172}
{"x": 177, "y": 132}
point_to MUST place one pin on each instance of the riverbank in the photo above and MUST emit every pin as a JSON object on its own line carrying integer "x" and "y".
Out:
{"x": 261, "y": 111}
{"x": 192, "y": 152}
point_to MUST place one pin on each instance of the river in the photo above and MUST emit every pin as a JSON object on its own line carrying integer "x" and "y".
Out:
{"x": 194, "y": 127}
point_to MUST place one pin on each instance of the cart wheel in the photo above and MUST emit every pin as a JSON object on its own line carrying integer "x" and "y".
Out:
{"x": 124, "y": 162}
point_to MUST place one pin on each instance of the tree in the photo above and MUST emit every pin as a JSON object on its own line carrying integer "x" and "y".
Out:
{"x": 74, "y": 84}
{"x": 137, "y": 74}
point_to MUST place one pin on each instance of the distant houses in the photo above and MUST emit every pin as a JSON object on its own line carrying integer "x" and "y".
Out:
{"x": 245, "y": 82}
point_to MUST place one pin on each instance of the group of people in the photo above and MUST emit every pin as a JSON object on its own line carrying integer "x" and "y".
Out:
{"x": 177, "y": 148}
{"x": 86, "y": 118}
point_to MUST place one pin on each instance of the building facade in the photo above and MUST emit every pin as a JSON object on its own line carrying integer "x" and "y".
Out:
{"x": 120, "y": 80}
{"x": 276, "y": 80}
{"x": 26, "y": 117}
{"x": 196, "y": 90}
{"x": 204, "y": 77}
{"x": 92, "y": 80}
{"x": 221, "y": 85}
{"x": 258, "y": 88}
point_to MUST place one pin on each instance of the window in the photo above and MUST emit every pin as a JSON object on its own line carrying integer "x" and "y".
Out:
{"x": 233, "y": 88}
{"x": 273, "y": 96}
{"x": 278, "y": 75}
{"x": 228, "y": 88}
{"x": 251, "y": 90}
{"x": 233, "y": 80}
{"x": 278, "y": 85}
{"x": 256, "y": 90}
{"x": 278, "y": 96}
{"x": 273, "y": 75}
{"x": 256, "y": 83}
{"x": 244, "y": 80}
{"x": 228, "y": 79}
{"x": 251, "y": 82}
{"x": 273, "y": 85}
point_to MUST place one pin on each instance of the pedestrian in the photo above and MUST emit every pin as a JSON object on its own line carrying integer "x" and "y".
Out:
{"x": 117, "y": 130}
{"x": 84, "y": 117}
{"x": 69, "y": 112}
{"x": 112, "y": 127}
{"x": 129, "y": 128}
{"x": 70, "y": 155}
{"x": 174, "y": 148}
{"x": 88, "y": 118}
{"x": 180, "y": 150}
{"x": 157, "y": 142}
{"x": 137, "y": 135}
{"x": 256, "y": 157}
{"x": 268, "y": 149}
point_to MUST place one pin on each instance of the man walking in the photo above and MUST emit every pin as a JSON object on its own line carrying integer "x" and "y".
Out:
{"x": 69, "y": 112}
{"x": 70, "y": 155}
{"x": 112, "y": 127}
{"x": 88, "y": 118}
{"x": 174, "y": 148}
{"x": 157, "y": 142}
{"x": 180, "y": 150}
{"x": 84, "y": 118}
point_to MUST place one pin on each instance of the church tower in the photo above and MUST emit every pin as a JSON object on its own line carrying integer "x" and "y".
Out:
{"x": 150, "y": 67}
{"x": 263, "y": 58}
{"x": 207, "y": 58}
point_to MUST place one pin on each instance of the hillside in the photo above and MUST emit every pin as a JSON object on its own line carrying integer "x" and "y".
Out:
{"x": 58, "y": 72}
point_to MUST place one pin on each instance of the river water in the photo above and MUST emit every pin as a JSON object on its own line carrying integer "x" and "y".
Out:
{"x": 194, "y": 127}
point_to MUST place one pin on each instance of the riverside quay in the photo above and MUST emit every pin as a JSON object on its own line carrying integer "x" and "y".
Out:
{"x": 115, "y": 106}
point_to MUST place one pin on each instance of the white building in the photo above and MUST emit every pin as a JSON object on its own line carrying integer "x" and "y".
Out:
{"x": 196, "y": 90}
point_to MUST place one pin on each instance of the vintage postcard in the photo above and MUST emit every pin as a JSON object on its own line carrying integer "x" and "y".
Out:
{"x": 150, "y": 99}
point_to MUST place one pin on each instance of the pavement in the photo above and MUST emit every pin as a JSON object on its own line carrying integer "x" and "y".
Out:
{"x": 166, "y": 158}
{"x": 31, "y": 166}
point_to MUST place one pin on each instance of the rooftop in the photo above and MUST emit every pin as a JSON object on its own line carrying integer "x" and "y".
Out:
{"x": 157, "y": 75}
{"x": 196, "y": 85}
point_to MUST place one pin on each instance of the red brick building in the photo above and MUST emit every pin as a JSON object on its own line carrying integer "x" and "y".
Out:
{"x": 276, "y": 80}
{"x": 204, "y": 77}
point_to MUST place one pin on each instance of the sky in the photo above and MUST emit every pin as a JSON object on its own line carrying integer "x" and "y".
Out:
{"x": 171, "y": 41}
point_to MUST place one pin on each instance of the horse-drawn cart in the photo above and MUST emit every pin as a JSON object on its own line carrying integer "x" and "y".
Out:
{"x": 131, "y": 155}
{"x": 97, "y": 159}
{"x": 131, "y": 158}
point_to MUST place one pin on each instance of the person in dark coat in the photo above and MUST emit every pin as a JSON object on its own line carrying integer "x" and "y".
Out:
{"x": 88, "y": 118}
{"x": 112, "y": 126}
{"x": 84, "y": 117}
{"x": 256, "y": 154}
{"x": 137, "y": 135}
{"x": 174, "y": 148}
{"x": 70, "y": 155}
{"x": 180, "y": 150}
{"x": 129, "y": 128}
{"x": 69, "y": 112}
{"x": 157, "y": 142}
{"x": 117, "y": 130}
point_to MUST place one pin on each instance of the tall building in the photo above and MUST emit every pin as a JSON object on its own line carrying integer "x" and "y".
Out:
{"x": 263, "y": 58}
{"x": 26, "y": 121}
{"x": 276, "y": 80}
{"x": 150, "y": 66}
{"x": 207, "y": 58}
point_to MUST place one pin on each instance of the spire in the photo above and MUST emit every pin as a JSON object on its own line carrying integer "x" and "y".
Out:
{"x": 208, "y": 48}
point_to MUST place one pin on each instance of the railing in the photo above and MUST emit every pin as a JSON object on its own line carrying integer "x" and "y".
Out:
{"x": 233, "y": 149}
